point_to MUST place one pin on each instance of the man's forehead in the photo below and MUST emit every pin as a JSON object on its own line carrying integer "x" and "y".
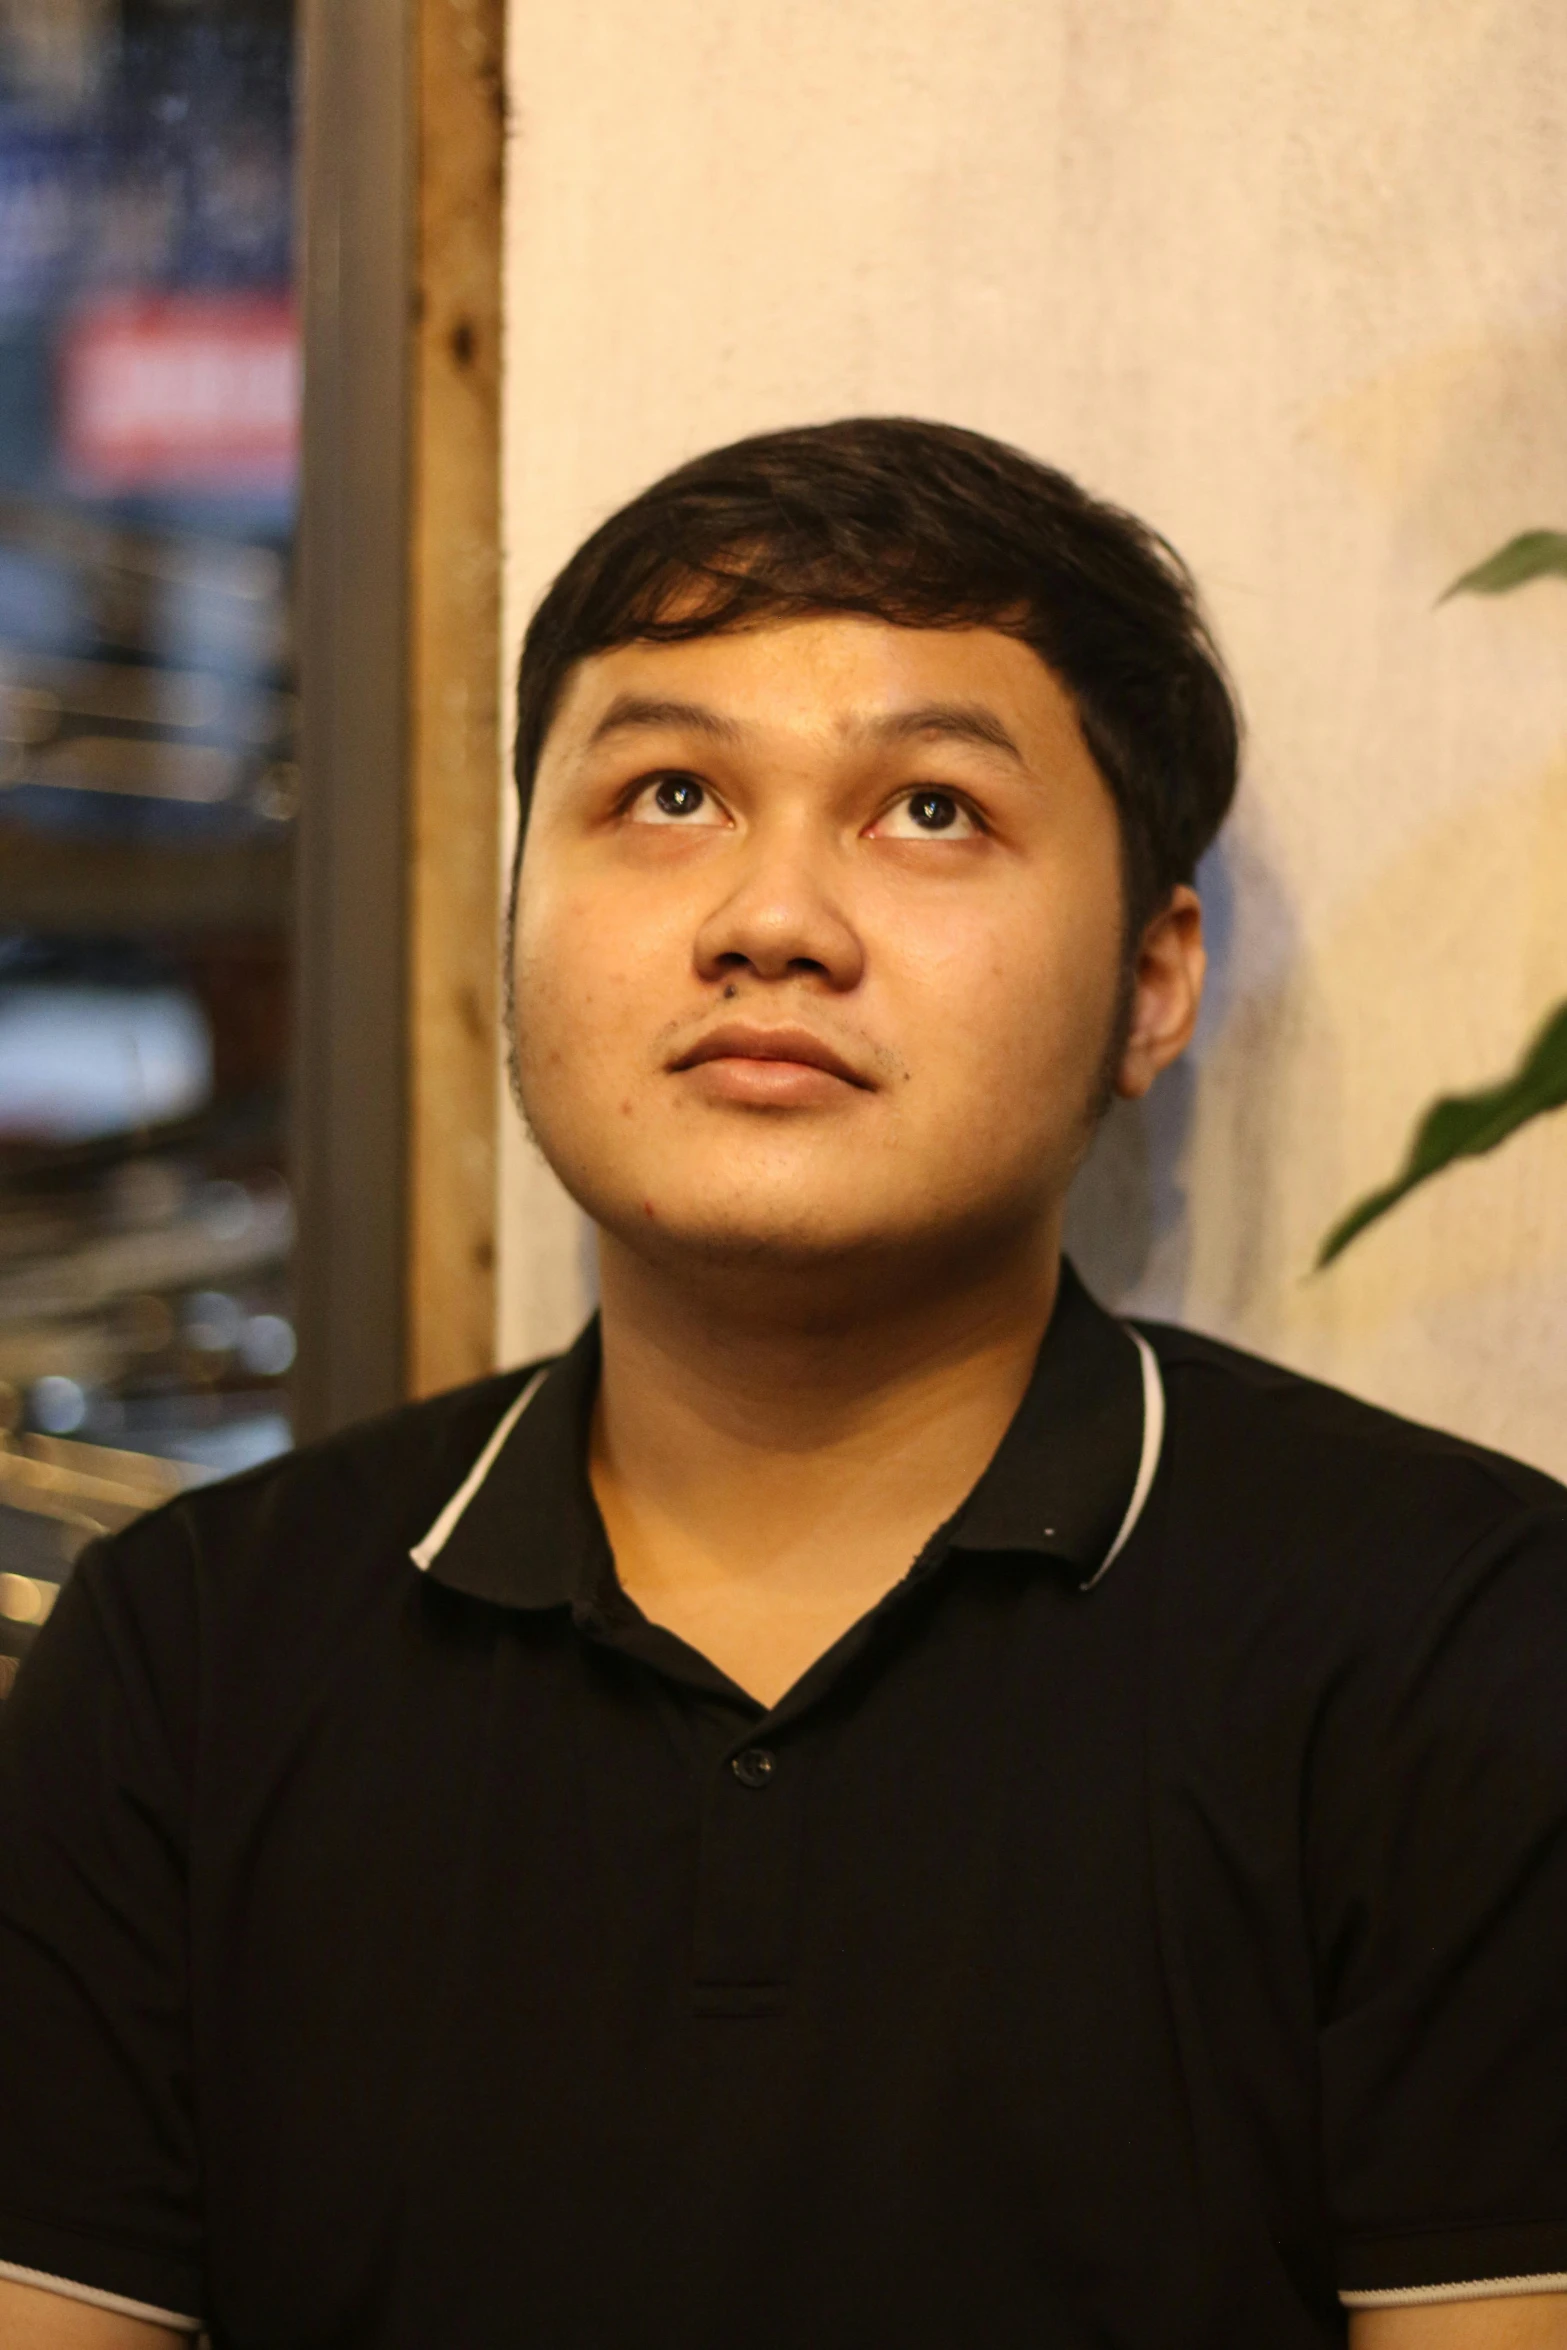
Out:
{"x": 850, "y": 675}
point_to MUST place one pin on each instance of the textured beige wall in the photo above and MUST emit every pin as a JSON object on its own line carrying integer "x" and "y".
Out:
{"x": 1290, "y": 278}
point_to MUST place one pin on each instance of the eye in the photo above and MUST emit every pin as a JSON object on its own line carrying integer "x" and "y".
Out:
{"x": 928, "y": 815}
{"x": 676, "y": 799}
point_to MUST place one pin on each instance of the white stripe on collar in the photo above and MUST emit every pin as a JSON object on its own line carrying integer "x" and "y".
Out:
{"x": 1474, "y": 2289}
{"x": 433, "y": 1543}
{"x": 1153, "y": 1445}
{"x": 44, "y": 2281}
{"x": 441, "y": 1532}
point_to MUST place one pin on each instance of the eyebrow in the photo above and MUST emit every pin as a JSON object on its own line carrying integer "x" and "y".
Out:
{"x": 965, "y": 722}
{"x": 627, "y": 712}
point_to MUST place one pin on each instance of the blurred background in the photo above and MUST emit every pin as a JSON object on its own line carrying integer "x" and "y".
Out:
{"x": 149, "y": 461}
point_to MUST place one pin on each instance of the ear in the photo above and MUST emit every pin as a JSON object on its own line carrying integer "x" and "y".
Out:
{"x": 1167, "y": 979}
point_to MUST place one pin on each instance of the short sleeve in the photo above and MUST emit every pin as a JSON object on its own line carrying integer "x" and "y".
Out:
{"x": 98, "y": 2173}
{"x": 1437, "y": 1871}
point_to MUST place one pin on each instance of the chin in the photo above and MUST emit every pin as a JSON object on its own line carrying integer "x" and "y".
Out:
{"x": 802, "y": 1212}
{"x": 819, "y": 1260}
{"x": 744, "y": 1229}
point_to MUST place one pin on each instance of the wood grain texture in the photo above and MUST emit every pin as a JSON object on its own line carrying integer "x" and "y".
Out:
{"x": 455, "y": 850}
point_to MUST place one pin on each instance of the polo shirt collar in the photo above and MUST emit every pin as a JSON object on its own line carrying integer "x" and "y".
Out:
{"x": 1071, "y": 1475}
{"x": 1067, "y": 1482}
{"x": 523, "y": 1526}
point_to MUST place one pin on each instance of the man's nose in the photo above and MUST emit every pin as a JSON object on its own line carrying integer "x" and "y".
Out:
{"x": 783, "y": 915}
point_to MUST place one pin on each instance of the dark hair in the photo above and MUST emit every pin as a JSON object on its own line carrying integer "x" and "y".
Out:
{"x": 927, "y": 526}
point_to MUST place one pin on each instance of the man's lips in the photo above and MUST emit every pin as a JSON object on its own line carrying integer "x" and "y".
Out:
{"x": 740, "y": 1040}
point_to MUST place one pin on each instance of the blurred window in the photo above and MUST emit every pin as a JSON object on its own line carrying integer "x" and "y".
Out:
{"x": 149, "y": 428}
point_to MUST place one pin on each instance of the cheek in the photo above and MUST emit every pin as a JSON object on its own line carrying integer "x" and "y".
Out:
{"x": 559, "y": 980}
{"x": 1015, "y": 991}
{"x": 588, "y": 970}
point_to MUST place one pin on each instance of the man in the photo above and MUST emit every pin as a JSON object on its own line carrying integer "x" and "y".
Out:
{"x": 870, "y": 1803}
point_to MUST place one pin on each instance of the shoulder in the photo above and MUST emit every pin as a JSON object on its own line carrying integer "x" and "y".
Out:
{"x": 375, "y": 1481}
{"x": 223, "y": 1624}
{"x": 1280, "y": 1476}
{"x": 290, "y": 1546}
{"x": 1361, "y": 1620}
{"x": 1235, "y": 1402}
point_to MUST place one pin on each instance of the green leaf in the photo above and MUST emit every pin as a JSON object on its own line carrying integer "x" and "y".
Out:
{"x": 1531, "y": 555}
{"x": 1463, "y": 1125}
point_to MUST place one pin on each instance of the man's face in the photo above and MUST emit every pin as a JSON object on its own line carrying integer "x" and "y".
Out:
{"x": 819, "y": 944}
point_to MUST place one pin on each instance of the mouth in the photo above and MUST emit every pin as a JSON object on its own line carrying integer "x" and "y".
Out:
{"x": 755, "y": 1063}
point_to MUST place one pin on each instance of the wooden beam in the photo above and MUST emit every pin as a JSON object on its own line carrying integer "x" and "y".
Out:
{"x": 349, "y": 1162}
{"x": 455, "y": 878}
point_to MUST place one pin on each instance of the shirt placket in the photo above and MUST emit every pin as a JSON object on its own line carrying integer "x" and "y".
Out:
{"x": 747, "y": 1876}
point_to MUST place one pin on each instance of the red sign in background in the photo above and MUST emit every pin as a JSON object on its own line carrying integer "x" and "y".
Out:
{"x": 181, "y": 391}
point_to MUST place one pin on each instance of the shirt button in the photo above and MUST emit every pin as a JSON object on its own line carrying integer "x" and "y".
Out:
{"x": 755, "y": 1767}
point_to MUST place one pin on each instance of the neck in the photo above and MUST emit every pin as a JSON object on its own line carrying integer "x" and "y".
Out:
{"x": 749, "y": 1369}
{"x": 783, "y": 1463}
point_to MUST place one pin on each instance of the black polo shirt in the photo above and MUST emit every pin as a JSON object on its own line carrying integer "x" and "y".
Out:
{"x": 1147, "y": 1927}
